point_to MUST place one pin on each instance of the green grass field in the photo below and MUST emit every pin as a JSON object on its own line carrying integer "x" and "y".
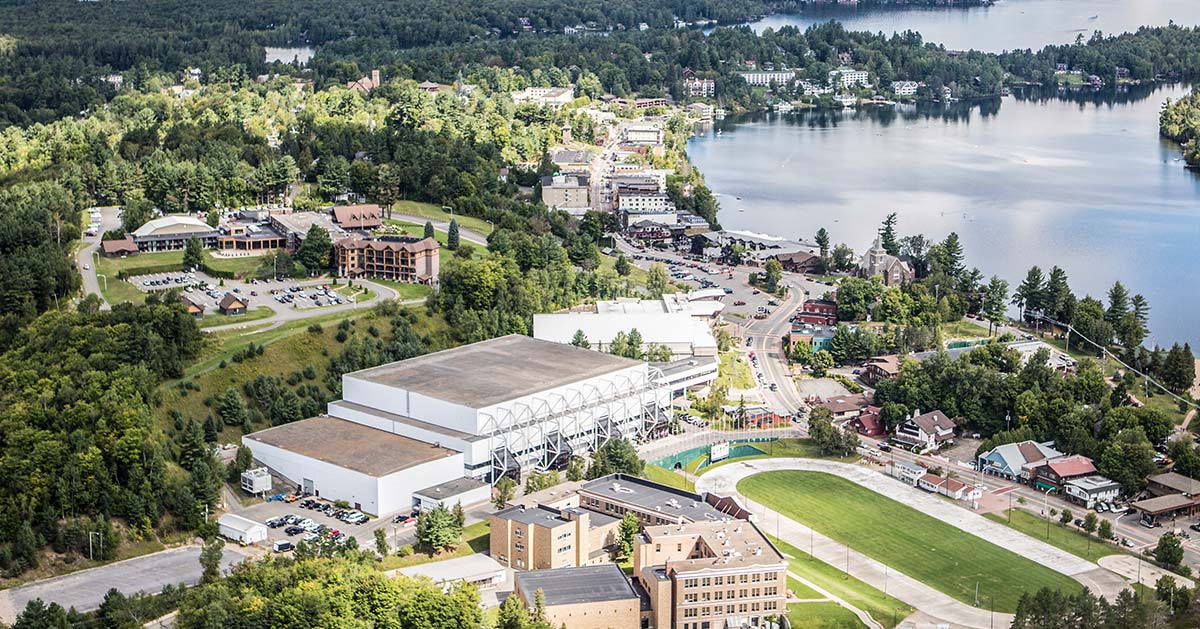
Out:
{"x": 887, "y": 610}
{"x": 476, "y": 538}
{"x": 925, "y": 548}
{"x": 800, "y": 590}
{"x": 821, "y": 616}
{"x": 444, "y": 254}
{"x": 429, "y": 210}
{"x": 667, "y": 477}
{"x": 734, "y": 373}
{"x": 1069, "y": 538}
{"x": 404, "y": 290}
{"x": 963, "y": 329}
{"x": 214, "y": 319}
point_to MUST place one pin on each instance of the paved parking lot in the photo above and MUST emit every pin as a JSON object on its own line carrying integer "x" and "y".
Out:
{"x": 207, "y": 291}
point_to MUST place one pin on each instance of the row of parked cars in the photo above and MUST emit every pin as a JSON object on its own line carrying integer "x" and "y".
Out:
{"x": 320, "y": 296}
{"x": 167, "y": 281}
{"x": 349, "y": 516}
{"x": 295, "y": 525}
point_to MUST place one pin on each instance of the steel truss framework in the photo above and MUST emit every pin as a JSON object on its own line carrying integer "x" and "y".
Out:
{"x": 543, "y": 431}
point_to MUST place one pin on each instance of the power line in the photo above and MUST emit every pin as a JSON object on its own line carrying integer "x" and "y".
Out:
{"x": 1105, "y": 350}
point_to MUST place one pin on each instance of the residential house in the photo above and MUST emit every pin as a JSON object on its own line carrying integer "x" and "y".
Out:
{"x": 232, "y": 305}
{"x": 846, "y": 406}
{"x": 868, "y": 423}
{"x": 818, "y": 336}
{"x": 905, "y": 88}
{"x": 925, "y": 432}
{"x": 119, "y": 247}
{"x": 878, "y": 261}
{"x": 552, "y": 97}
{"x": 1016, "y": 461}
{"x": 366, "y": 84}
{"x": 880, "y": 368}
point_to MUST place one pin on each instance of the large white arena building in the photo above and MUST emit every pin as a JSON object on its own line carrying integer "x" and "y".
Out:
{"x": 500, "y": 407}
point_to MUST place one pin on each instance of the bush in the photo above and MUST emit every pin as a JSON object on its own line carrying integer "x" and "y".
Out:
{"x": 404, "y": 551}
{"x": 341, "y": 336}
{"x": 851, "y": 386}
{"x": 315, "y": 328}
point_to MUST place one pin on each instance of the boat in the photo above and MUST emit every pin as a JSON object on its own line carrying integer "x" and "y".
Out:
{"x": 719, "y": 132}
{"x": 1094, "y": 17}
{"x": 739, "y": 198}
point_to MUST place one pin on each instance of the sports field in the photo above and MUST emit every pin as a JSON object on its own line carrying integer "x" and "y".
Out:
{"x": 927, "y": 549}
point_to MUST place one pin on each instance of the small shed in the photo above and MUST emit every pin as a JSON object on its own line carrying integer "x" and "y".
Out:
{"x": 464, "y": 491}
{"x": 241, "y": 530}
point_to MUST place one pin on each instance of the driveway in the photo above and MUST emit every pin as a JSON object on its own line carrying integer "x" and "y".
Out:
{"x": 85, "y": 590}
{"x": 723, "y": 481}
{"x": 85, "y": 256}
{"x": 468, "y": 235}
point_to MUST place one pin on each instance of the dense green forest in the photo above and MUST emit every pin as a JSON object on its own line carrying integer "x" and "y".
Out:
{"x": 1179, "y": 122}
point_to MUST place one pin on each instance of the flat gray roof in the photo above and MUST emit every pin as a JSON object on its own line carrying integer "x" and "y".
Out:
{"x": 494, "y": 371}
{"x": 352, "y": 446}
{"x": 654, "y": 498}
{"x": 539, "y": 515}
{"x": 571, "y": 586}
{"x": 451, "y": 488}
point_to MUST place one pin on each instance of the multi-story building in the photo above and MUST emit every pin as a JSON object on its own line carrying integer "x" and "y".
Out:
{"x": 925, "y": 432}
{"x": 588, "y": 597}
{"x": 877, "y": 261}
{"x": 401, "y": 258}
{"x": 648, "y": 207}
{"x": 655, "y": 504}
{"x": 905, "y": 88}
{"x": 540, "y": 537}
{"x": 700, "y": 88}
{"x": 552, "y": 97}
{"x": 849, "y": 78}
{"x": 645, "y": 133}
{"x": 566, "y": 192}
{"x": 710, "y": 574}
{"x": 173, "y": 232}
{"x": 818, "y": 312}
{"x": 765, "y": 79}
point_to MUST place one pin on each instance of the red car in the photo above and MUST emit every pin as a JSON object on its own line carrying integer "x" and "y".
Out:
{"x": 739, "y": 303}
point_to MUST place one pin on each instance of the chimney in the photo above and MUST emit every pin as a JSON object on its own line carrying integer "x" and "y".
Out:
{"x": 374, "y": 78}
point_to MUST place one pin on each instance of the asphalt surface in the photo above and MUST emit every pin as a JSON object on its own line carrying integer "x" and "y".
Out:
{"x": 85, "y": 256}
{"x": 463, "y": 233}
{"x": 85, "y": 590}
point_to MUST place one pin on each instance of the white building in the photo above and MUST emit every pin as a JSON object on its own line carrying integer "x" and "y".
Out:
{"x": 501, "y": 406}
{"x": 241, "y": 530}
{"x": 478, "y": 569}
{"x": 460, "y": 491}
{"x": 764, "y": 79}
{"x": 700, "y": 88}
{"x": 256, "y": 481}
{"x": 552, "y": 97}
{"x": 644, "y": 133}
{"x": 647, "y": 207}
{"x": 849, "y": 78}
{"x": 1089, "y": 490}
{"x": 679, "y": 332}
{"x": 905, "y": 88}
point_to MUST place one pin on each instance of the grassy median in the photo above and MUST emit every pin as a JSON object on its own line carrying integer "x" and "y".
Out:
{"x": 927, "y": 549}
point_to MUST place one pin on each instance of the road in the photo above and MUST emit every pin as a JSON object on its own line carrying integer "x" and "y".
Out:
{"x": 85, "y": 255}
{"x": 284, "y": 314}
{"x": 85, "y": 590}
{"x": 468, "y": 235}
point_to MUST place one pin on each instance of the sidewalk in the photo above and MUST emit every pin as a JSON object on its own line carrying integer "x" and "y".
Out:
{"x": 723, "y": 481}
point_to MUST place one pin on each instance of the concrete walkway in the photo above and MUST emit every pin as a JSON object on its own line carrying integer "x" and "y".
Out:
{"x": 1127, "y": 566}
{"x": 862, "y": 615}
{"x": 723, "y": 481}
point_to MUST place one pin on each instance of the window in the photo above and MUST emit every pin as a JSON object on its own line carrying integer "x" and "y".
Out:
{"x": 718, "y": 580}
{"x": 563, "y": 549}
{"x": 520, "y": 563}
{"x": 771, "y": 576}
{"x": 690, "y": 597}
{"x": 658, "y": 548}
{"x": 755, "y": 578}
{"x": 690, "y": 612}
{"x": 519, "y": 533}
{"x": 706, "y": 582}
{"x": 519, "y": 546}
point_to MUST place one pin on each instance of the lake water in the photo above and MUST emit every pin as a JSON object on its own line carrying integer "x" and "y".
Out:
{"x": 1085, "y": 184}
{"x": 1007, "y": 25}
{"x": 287, "y": 55}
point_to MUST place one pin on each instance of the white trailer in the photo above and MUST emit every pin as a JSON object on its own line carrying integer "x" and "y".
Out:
{"x": 241, "y": 530}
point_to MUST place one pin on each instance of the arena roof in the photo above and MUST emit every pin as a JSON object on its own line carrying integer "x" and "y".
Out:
{"x": 494, "y": 371}
{"x": 352, "y": 446}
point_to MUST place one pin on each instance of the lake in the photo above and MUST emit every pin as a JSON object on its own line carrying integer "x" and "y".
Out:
{"x": 1007, "y": 25}
{"x": 287, "y": 55}
{"x": 1081, "y": 182}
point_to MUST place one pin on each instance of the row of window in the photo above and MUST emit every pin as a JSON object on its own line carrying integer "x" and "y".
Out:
{"x": 717, "y": 595}
{"x": 741, "y": 608}
{"x": 756, "y": 577}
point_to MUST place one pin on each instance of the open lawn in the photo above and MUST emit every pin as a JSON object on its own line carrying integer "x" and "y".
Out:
{"x": 1069, "y": 538}
{"x": 429, "y": 210}
{"x": 963, "y": 329}
{"x": 821, "y": 616}
{"x": 800, "y": 590}
{"x": 475, "y": 539}
{"x": 734, "y": 372}
{"x": 887, "y": 610}
{"x": 444, "y": 254}
{"x": 927, "y": 549}
{"x": 637, "y": 274}
{"x": 667, "y": 477}
{"x": 405, "y": 290}
{"x": 213, "y": 319}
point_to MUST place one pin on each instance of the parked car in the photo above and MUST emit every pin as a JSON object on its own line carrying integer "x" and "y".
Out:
{"x": 274, "y": 523}
{"x": 293, "y": 530}
{"x": 739, "y": 303}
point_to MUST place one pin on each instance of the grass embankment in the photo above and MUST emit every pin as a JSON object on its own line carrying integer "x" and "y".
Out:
{"x": 1069, "y": 538}
{"x": 116, "y": 290}
{"x": 430, "y": 211}
{"x": 444, "y": 253}
{"x": 886, "y": 610}
{"x": 214, "y": 319}
{"x": 405, "y": 291}
{"x": 786, "y": 448}
{"x": 289, "y": 348}
{"x": 822, "y": 616}
{"x": 668, "y": 477}
{"x": 963, "y": 329}
{"x": 927, "y": 549}
{"x": 476, "y": 538}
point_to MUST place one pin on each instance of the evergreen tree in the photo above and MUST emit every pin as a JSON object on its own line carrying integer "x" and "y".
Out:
{"x": 887, "y": 235}
{"x": 428, "y": 229}
{"x": 452, "y": 235}
{"x": 231, "y": 408}
{"x": 580, "y": 340}
{"x": 381, "y": 543}
{"x": 1056, "y": 294}
{"x": 1030, "y": 295}
{"x": 822, "y": 239}
{"x": 622, "y": 266}
{"x": 1118, "y": 303}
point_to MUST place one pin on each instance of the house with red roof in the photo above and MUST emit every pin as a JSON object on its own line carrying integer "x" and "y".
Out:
{"x": 949, "y": 487}
{"x": 868, "y": 423}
